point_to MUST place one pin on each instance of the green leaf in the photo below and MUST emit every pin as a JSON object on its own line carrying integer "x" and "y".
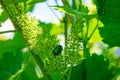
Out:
{"x": 92, "y": 68}
{"x": 77, "y": 72}
{"x": 11, "y": 45}
{"x": 29, "y": 4}
{"x": 3, "y": 16}
{"x": 10, "y": 56}
{"x": 29, "y": 72}
{"x": 83, "y": 8}
{"x": 30, "y": 7}
{"x": 31, "y": 1}
{"x": 11, "y": 63}
{"x": 109, "y": 13}
{"x": 70, "y": 11}
{"x": 18, "y": 39}
{"x": 117, "y": 73}
{"x": 97, "y": 68}
{"x": 110, "y": 34}
{"x": 56, "y": 76}
{"x": 36, "y": 1}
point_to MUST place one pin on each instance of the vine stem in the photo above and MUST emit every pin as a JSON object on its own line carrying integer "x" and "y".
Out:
{"x": 68, "y": 16}
{"x": 85, "y": 40}
{"x": 66, "y": 31}
{"x": 39, "y": 61}
{"x": 34, "y": 54}
{"x": 2, "y": 32}
{"x": 40, "y": 64}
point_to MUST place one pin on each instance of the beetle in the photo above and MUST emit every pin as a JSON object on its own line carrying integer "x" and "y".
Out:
{"x": 57, "y": 50}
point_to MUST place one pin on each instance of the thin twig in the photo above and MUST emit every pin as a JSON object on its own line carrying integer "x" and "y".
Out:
{"x": 2, "y": 32}
{"x": 85, "y": 40}
{"x": 40, "y": 64}
{"x": 66, "y": 30}
{"x": 68, "y": 16}
{"x": 93, "y": 30}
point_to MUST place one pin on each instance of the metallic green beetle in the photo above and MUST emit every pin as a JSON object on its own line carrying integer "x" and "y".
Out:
{"x": 57, "y": 50}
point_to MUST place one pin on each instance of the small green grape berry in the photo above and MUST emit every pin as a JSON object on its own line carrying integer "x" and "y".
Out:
{"x": 57, "y": 50}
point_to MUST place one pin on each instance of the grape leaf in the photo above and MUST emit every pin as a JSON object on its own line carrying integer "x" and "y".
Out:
{"x": 97, "y": 68}
{"x": 109, "y": 14}
{"x": 92, "y": 68}
{"x": 77, "y": 72}
{"x": 29, "y": 4}
{"x": 29, "y": 72}
{"x": 36, "y": 1}
{"x": 83, "y": 13}
{"x": 10, "y": 56}
{"x": 31, "y": 1}
{"x": 12, "y": 45}
{"x": 10, "y": 64}
{"x": 3, "y": 16}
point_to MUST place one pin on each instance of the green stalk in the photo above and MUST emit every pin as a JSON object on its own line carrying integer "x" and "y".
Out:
{"x": 2, "y": 32}
{"x": 85, "y": 40}
{"x": 74, "y": 6}
{"x": 65, "y": 28}
{"x": 40, "y": 64}
{"x": 93, "y": 30}
{"x": 10, "y": 8}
